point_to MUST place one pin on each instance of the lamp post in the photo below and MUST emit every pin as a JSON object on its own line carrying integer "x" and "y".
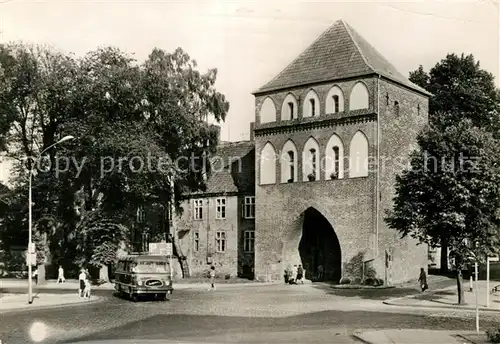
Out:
{"x": 30, "y": 240}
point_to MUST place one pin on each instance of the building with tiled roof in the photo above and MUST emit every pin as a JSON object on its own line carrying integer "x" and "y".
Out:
{"x": 339, "y": 53}
{"x": 332, "y": 131}
{"x": 217, "y": 226}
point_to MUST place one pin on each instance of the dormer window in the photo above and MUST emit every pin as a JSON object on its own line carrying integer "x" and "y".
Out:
{"x": 312, "y": 103}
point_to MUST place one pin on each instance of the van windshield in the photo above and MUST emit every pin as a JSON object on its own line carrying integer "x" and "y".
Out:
{"x": 150, "y": 267}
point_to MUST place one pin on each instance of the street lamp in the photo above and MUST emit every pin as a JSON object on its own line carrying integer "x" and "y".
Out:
{"x": 30, "y": 243}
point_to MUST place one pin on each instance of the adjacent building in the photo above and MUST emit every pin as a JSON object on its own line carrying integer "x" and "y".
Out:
{"x": 217, "y": 226}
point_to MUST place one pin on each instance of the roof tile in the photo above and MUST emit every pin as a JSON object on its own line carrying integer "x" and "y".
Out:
{"x": 339, "y": 53}
{"x": 233, "y": 168}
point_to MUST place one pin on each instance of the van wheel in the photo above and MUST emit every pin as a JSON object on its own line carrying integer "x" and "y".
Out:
{"x": 162, "y": 297}
{"x": 134, "y": 297}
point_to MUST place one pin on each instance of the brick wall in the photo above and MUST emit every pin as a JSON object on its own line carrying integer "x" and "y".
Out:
{"x": 398, "y": 139}
{"x": 348, "y": 204}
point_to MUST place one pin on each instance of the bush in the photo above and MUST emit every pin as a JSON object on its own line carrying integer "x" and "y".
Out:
{"x": 357, "y": 280}
{"x": 228, "y": 276}
{"x": 345, "y": 280}
{"x": 369, "y": 281}
{"x": 493, "y": 335}
{"x": 380, "y": 282}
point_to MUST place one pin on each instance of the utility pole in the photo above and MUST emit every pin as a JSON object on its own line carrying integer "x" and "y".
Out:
{"x": 31, "y": 245}
{"x": 171, "y": 229}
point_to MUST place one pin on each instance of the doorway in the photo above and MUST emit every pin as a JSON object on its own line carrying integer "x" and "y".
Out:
{"x": 319, "y": 248}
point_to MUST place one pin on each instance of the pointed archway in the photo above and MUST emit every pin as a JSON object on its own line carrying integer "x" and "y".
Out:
{"x": 319, "y": 245}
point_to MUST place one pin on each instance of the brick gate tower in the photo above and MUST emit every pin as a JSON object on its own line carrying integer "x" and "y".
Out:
{"x": 332, "y": 130}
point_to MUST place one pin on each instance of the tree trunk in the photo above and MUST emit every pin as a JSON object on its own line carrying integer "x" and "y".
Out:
{"x": 174, "y": 234}
{"x": 460, "y": 288}
{"x": 41, "y": 274}
{"x": 104, "y": 273}
{"x": 444, "y": 256}
{"x": 46, "y": 260}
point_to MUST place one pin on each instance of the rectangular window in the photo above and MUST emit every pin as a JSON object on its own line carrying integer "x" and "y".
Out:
{"x": 198, "y": 209}
{"x": 140, "y": 216}
{"x": 249, "y": 209}
{"x": 335, "y": 103}
{"x": 221, "y": 208}
{"x": 336, "y": 160}
{"x": 313, "y": 161}
{"x": 291, "y": 166}
{"x": 313, "y": 107}
{"x": 220, "y": 242}
{"x": 290, "y": 108}
{"x": 196, "y": 242}
{"x": 249, "y": 243}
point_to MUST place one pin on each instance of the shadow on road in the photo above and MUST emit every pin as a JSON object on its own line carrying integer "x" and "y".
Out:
{"x": 217, "y": 329}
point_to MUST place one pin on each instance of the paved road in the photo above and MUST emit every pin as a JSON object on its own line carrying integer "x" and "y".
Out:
{"x": 279, "y": 314}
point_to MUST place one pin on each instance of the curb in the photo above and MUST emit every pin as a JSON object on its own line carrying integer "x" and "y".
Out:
{"x": 457, "y": 308}
{"x": 31, "y": 308}
{"x": 361, "y": 287}
{"x": 359, "y": 339}
{"x": 467, "y": 339}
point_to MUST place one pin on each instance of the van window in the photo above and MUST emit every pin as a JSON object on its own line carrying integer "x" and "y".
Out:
{"x": 146, "y": 266}
{"x": 120, "y": 266}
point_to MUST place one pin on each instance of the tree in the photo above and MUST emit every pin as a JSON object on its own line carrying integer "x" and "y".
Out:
{"x": 460, "y": 90}
{"x": 451, "y": 190}
{"x": 134, "y": 122}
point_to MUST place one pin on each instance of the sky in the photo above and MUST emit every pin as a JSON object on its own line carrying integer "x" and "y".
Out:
{"x": 250, "y": 42}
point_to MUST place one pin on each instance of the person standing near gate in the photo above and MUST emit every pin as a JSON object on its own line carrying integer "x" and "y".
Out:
{"x": 300, "y": 274}
{"x": 320, "y": 272}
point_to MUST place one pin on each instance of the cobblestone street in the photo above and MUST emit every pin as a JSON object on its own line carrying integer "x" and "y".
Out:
{"x": 239, "y": 314}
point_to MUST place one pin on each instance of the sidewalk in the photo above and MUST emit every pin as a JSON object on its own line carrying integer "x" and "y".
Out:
{"x": 6, "y": 283}
{"x": 447, "y": 298}
{"x": 14, "y": 302}
{"x": 419, "y": 337}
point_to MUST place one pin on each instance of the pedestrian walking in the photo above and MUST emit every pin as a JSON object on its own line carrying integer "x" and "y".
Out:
{"x": 60, "y": 276}
{"x": 211, "y": 275}
{"x": 423, "y": 280}
{"x": 288, "y": 274}
{"x": 34, "y": 275}
{"x": 86, "y": 290}
{"x": 300, "y": 274}
{"x": 81, "y": 282}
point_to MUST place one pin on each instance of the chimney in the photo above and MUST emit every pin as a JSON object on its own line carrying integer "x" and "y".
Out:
{"x": 252, "y": 128}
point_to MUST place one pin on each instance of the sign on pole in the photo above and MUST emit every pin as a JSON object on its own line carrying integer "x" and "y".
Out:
{"x": 161, "y": 248}
{"x": 169, "y": 249}
{"x": 488, "y": 261}
{"x": 33, "y": 258}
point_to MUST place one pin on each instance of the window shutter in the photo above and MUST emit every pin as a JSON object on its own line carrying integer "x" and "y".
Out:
{"x": 243, "y": 209}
